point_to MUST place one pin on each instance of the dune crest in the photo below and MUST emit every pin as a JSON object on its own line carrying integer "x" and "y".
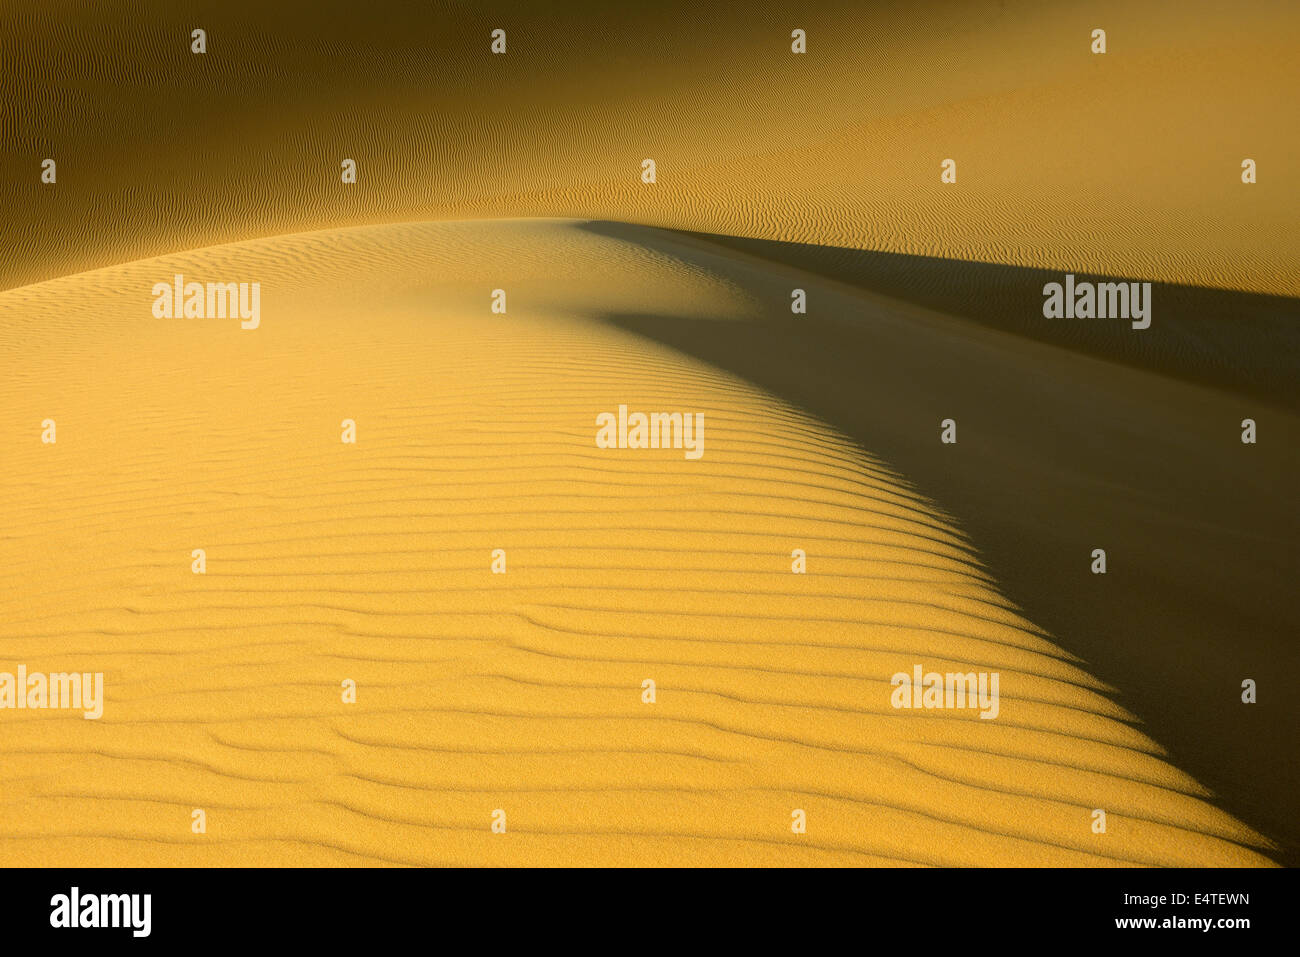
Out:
{"x": 522, "y": 691}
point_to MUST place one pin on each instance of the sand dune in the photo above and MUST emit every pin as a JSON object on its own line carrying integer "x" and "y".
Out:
{"x": 476, "y": 431}
{"x": 520, "y": 691}
{"x": 1126, "y": 163}
{"x": 1061, "y": 453}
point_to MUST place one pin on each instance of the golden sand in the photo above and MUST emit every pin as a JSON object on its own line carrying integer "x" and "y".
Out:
{"x": 1126, "y": 163}
{"x": 523, "y": 691}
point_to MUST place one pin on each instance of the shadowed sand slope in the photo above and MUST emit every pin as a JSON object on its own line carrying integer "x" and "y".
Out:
{"x": 1246, "y": 343}
{"x": 520, "y": 691}
{"x": 1059, "y": 454}
{"x": 1127, "y": 163}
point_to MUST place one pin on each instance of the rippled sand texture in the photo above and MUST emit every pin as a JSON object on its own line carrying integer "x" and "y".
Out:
{"x": 1126, "y": 163}
{"x": 519, "y": 691}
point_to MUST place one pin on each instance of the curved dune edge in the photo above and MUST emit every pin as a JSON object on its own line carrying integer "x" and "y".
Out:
{"x": 519, "y": 691}
{"x": 1125, "y": 164}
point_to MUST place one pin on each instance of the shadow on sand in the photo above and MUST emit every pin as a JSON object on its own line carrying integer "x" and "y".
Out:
{"x": 1064, "y": 448}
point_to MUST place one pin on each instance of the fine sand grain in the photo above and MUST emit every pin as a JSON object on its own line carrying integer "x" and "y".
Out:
{"x": 1127, "y": 163}
{"x": 521, "y": 691}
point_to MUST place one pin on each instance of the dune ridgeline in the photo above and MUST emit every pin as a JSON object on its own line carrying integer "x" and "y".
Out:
{"x": 371, "y": 544}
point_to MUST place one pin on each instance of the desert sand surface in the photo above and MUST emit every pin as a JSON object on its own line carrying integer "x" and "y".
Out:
{"x": 1126, "y": 163}
{"x": 520, "y": 691}
{"x": 1067, "y": 453}
{"x": 523, "y": 691}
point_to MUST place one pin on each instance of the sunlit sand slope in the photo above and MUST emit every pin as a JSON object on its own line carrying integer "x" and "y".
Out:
{"x": 519, "y": 691}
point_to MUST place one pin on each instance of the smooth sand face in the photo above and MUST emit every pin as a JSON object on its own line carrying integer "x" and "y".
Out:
{"x": 521, "y": 691}
{"x": 1126, "y": 163}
